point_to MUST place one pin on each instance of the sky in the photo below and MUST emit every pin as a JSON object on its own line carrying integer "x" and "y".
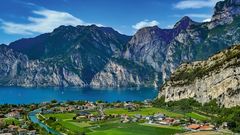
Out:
{"x": 29, "y": 18}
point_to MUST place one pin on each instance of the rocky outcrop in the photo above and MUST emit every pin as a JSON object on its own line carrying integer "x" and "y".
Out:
{"x": 117, "y": 75}
{"x": 224, "y": 12}
{"x": 216, "y": 78}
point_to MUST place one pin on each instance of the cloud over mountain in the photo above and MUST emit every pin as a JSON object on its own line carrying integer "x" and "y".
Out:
{"x": 46, "y": 21}
{"x": 145, "y": 23}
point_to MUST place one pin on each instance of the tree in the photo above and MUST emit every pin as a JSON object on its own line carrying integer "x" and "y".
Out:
{"x": 211, "y": 107}
{"x": 2, "y": 124}
{"x": 54, "y": 101}
{"x": 159, "y": 102}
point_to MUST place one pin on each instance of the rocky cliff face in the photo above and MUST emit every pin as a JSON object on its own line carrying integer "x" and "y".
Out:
{"x": 216, "y": 78}
{"x": 166, "y": 49}
{"x": 123, "y": 73}
{"x": 17, "y": 70}
{"x": 115, "y": 75}
{"x": 39, "y": 74}
{"x": 224, "y": 12}
{"x": 9, "y": 63}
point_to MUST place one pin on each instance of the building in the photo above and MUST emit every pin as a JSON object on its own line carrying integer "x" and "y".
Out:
{"x": 149, "y": 118}
{"x": 159, "y": 117}
{"x": 138, "y": 116}
{"x": 130, "y": 106}
{"x": 71, "y": 108}
{"x": 14, "y": 114}
{"x": 147, "y": 103}
{"x": 22, "y": 132}
{"x": 83, "y": 113}
{"x": 118, "y": 105}
{"x": 13, "y": 128}
{"x": 197, "y": 127}
{"x": 193, "y": 127}
{"x": 169, "y": 120}
{"x": 207, "y": 127}
{"x": 89, "y": 106}
{"x": 32, "y": 132}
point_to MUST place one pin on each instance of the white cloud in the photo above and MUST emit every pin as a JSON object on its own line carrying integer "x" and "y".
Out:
{"x": 145, "y": 23}
{"x": 204, "y": 17}
{"x": 194, "y": 4}
{"x": 170, "y": 26}
{"x": 207, "y": 20}
{"x": 48, "y": 21}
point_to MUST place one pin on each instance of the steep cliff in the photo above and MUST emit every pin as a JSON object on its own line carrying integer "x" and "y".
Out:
{"x": 17, "y": 70}
{"x": 216, "y": 78}
{"x": 124, "y": 73}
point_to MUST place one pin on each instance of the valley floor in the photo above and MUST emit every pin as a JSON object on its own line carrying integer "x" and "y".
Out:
{"x": 120, "y": 119}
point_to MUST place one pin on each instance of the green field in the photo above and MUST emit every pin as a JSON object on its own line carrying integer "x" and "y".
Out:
{"x": 66, "y": 121}
{"x": 133, "y": 129}
{"x": 9, "y": 121}
{"x": 75, "y": 126}
{"x": 143, "y": 111}
{"x": 62, "y": 116}
{"x": 113, "y": 127}
{"x": 197, "y": 116}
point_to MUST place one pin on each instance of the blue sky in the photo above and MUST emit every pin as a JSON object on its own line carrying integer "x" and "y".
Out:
{"x": 28, "y": 18}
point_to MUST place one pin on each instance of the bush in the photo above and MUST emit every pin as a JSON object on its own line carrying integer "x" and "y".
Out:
{"x": 159, "y": 102}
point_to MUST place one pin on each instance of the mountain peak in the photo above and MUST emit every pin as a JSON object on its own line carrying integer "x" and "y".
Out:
{"x": 184, "y": 23}
{"x": 3, "y": 46}
{"x": 150, "y": 31}
{"x": 149, "y": 28}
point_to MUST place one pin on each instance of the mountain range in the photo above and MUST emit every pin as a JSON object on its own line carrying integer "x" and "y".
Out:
{"x": 101, "y": 57}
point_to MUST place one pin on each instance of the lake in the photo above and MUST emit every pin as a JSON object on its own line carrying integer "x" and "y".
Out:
{"x": 19, "y": 95}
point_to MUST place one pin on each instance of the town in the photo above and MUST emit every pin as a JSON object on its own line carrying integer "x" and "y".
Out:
{"x": 84, "y": 117}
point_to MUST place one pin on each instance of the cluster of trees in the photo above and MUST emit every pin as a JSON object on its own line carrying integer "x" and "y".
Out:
{"x": 231, "y": 116}
{"x": 183, "y": 106}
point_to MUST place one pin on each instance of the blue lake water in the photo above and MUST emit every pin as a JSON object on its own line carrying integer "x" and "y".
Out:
{"x": 18, "y": 95}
